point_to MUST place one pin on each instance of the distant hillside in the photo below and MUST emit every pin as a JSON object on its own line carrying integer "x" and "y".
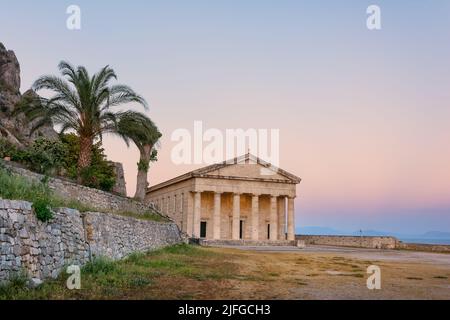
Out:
{"x": 373, "y": 233}
{"x": 436, "y": 235}
{"x": 316, "y": 230}
{"x": 319, "y": 231}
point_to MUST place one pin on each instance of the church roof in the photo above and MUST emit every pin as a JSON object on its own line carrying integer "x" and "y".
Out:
{"x": 206, "y": 172}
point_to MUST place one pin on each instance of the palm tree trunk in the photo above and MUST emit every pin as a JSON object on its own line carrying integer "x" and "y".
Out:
{"x": 141, "y": 181}
{"x": 85, "y": 157}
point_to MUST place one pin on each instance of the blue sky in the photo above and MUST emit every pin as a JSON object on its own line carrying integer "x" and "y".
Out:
{"x": 363, "y": 115}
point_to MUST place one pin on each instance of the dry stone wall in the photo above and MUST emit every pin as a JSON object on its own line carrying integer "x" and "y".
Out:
{"x": 44, "y": 249}
{"x": 116, "y": 236}
{"x": 351, "y": 241}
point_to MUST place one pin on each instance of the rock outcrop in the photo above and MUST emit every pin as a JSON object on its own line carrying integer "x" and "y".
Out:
{"x": 16, "y": 128}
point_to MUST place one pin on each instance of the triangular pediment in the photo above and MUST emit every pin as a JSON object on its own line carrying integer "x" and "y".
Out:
{"x": 247, "y": 167}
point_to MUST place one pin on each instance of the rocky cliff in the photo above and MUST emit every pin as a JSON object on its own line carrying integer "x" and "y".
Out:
{"x": 17, "y": 128}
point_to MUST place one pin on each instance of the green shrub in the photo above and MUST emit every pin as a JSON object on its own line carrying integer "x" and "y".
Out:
{"x": 7, "y": 149}
{"x": 100, "y": 174}
{"x": 45, "y": 156}
{"x": 42, "y": 209}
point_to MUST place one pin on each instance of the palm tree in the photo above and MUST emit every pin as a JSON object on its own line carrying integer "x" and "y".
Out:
{"x": 82, "y": 104}
{"x": 140, "y": 129}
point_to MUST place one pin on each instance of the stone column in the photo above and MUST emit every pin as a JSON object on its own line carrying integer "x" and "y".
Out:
{"x": 216, "y": 215}
{"x": 291, "y": 217}
{"x": 197, "y": 214}
{"x": 236, "y": 216}
{"x": 168, "y": 205}
{"x": 273, "y": 219}
{"x": 255, "y": 217}
{"x": 188, "y": 212}
{"x": 282, "y": 218}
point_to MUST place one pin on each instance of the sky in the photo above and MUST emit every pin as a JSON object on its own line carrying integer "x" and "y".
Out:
{"x": 363, "y": 115}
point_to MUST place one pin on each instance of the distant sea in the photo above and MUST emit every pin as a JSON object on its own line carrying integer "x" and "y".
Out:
{"x": 426, "y": 241}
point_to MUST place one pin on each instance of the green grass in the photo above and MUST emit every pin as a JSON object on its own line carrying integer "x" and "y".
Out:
{"x": 16, "y": 284}
{"x": 149, "y": 216}
{"x": 140, "y": 275}
{"x": 14, "y": 187}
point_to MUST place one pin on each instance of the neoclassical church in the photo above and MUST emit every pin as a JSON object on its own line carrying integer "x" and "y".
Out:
{"x": 244, "y": 198}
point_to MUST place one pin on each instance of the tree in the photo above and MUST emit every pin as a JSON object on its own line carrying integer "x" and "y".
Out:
{"x": 140, "y": 129}
{"x": 81, "y": 104}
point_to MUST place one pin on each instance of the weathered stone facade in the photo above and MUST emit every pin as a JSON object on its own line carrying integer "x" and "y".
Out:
{"x": 351, "y": 241}
{"x": 245, "y": 198}
{"x": 44, "y": 249}
{"x": 97, "y": 199}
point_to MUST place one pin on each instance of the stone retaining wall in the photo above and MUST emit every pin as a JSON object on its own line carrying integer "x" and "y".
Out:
{"x": 351, "y": 241}
{"x": 442, "y": 248}
{"x": 97, "y": 199}
{"x": 115, "y": 236}
{"x": 252, "y": 243}
{"x": 43, "y": 249}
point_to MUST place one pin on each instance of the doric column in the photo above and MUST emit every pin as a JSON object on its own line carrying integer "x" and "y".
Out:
{"x": 291, "y": 217}
{"x": 282, "y": 218}
{"x": 216, "y": 215}
{"x": 168, "y": 205}
{"x": 236, "y": 216}
{"x": 197, "y": 213}
{"x": 188, "y": 212}
{"x": 273, "y": 218}
{"x": 255, "y": 217}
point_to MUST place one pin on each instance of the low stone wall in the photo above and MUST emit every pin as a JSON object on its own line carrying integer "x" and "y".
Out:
{"x": 442, "y": 248}
{"x": 252, "y": 243}
{"x": 43, "y": 249}
{"x": 97, "y": 199}
{"x": 351, "y": 241}
{"x": 115, "y": 236}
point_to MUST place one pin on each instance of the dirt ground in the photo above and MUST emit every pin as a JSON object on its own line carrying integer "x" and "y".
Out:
{"x": 190, "y": 272}
{"x": 337, "y": 273}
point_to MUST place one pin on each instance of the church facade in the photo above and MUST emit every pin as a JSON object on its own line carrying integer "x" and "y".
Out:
{"x": 245, "y": 198}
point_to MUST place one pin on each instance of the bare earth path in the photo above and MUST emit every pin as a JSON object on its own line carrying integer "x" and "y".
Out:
{"x": 319, "y": 272}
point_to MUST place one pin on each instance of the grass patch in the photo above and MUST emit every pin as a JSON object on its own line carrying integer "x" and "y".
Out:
{"x": 356, "y": 275}
{"x": 414, "y": 278}
{"x": 99, "y": 266}
{"x": 16, "y": 284}
{"x": 149, "y": 216}
{"x": 301, "y": 283}
{"x": 15, "y": 187}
